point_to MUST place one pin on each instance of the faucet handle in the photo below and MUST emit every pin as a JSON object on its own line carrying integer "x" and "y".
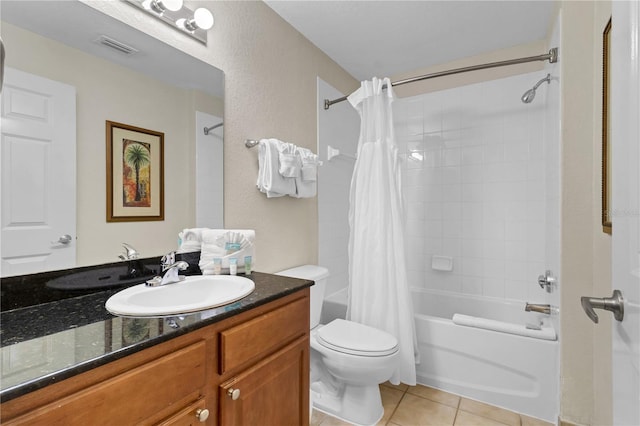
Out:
{"x": 168, "y": 260}
{"x": 129, "y": 252}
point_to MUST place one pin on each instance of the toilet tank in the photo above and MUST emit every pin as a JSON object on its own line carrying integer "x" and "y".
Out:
{"x": 318, "y": 274}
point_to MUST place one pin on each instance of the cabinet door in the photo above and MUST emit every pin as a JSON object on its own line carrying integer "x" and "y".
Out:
{"x": 274, "y": 392}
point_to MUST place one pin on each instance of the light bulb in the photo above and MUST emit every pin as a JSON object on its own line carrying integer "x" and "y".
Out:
{"x": 172, "y": 5}
{"x": 203, "y": 18}
{"x": 160, "y": 6}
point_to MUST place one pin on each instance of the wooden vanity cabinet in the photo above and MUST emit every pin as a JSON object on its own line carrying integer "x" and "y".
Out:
{"x": 266, "y": 382}
{"x": 272, "y": 392}
{"x": 250, "y": 369}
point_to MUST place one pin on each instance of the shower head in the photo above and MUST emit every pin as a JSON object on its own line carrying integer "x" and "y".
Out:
{"x": 531, "y": 93}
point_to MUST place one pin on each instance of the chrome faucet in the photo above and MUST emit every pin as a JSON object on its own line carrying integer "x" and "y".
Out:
{"x": 135, "y": 268}
{"x": 180, "y": 265}
{"x": 533, "y": 307}
{"x": 129, "y": 253}
{"x": 170, "y": 269}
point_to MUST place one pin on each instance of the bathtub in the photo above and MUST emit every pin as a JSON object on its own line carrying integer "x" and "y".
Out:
{"x": 515, "y": 372}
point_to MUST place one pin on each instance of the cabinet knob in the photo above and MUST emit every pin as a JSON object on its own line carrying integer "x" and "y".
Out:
{"x": 202, "y": 414}
{"x": 234, "y": 393}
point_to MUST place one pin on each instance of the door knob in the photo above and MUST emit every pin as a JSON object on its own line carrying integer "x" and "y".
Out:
{"x": 234, "y": 393}
{"x": 64, "y": 239}
{"x": 614, "y": 304}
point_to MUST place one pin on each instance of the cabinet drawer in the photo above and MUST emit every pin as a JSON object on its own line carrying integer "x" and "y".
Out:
{"x": 194, "y": 414}
{"x": 144, "y": 391}
{"x": 263, "y": 335}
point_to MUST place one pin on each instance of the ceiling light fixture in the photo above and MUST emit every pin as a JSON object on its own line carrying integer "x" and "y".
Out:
{"x": 178, "y": 16}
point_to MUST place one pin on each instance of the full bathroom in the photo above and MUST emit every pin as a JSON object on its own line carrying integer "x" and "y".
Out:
{"x": 501, "y": 174}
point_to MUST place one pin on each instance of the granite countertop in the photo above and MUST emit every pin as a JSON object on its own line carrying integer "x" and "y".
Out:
{"x": 50, "y": 338}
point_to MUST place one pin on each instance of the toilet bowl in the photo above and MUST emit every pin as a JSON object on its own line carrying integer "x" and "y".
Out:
{"x": 348, "y": 360}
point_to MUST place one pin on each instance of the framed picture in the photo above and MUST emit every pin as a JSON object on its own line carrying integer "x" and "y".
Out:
{"x": 120, "y": 332}
{"x": 606, "y": 131}
{"x": 135, "y": 173}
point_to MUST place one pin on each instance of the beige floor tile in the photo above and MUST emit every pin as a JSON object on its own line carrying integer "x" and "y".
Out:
{"x": 316, "y": 418}
{"x": 465, "y": 418}
{"x": 435, "y": 395}
{"x": 489, "y": 411}
{"x": 402, "y": 387}
{"x": 530, "y": 421}
{"x": 416, "y": 411}
{"x": 390, "y": 399}
{"x": 332, "y": 421}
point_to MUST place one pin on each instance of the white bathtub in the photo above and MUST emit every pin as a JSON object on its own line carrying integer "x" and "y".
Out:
{"x": 515, "y": 372}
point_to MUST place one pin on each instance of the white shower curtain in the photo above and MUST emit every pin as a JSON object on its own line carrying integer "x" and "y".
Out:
{"x": 378, "y": 288}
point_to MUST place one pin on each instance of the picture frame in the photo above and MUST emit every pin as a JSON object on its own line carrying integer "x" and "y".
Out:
{"x": 606, "y": 131}
{"x": 121, "y": 332}
{"x": 135, "y": 173}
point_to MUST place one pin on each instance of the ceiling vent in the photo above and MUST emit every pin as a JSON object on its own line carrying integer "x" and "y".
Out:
{"x": 117, "y": 45}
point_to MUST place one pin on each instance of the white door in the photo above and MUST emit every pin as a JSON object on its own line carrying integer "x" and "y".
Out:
{"x": 38, "y": 158}
{"x": 625, "y": 107}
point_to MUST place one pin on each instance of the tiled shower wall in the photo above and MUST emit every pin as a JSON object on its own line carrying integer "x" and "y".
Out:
{"x": 474, "y": 187}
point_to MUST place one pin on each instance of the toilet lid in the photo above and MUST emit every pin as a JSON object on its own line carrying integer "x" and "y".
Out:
{"x": 356, "y": 339}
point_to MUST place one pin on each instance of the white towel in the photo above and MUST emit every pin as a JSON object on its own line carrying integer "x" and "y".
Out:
{"x": 288, "y": 159}
{"x": 270, "y": 181}
{"x": 225, "y": 244}
{"x": 190, "y": 240}
{"x": 306, "y": 185}
{"x": 545, "y": 333}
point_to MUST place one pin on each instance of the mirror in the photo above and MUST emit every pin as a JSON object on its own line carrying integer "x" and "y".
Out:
{"x": 157, "y": 87}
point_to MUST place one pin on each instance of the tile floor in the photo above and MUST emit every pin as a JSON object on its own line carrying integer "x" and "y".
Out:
{"x": 423, "y": 406}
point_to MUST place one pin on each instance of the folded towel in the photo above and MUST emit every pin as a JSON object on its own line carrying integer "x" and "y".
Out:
{"x": 545, "y": 333}
{"x": 288, "y": 159}
{"x": 306, "y": 185}
{"x": 225, "y": 244}
{"x": 270, "y": 181}
{"x": 190, "y": 240}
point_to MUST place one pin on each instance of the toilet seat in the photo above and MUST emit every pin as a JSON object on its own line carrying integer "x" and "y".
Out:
{"x": 356, "y": 339}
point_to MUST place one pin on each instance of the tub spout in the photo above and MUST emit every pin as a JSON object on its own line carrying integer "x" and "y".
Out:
{"x": 533, "y": 307}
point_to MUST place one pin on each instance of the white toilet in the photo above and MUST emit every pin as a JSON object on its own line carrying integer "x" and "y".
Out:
{"x": 348, "y": 360}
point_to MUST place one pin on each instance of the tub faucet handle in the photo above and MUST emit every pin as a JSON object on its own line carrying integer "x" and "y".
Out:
{"x": 546, "y": 281}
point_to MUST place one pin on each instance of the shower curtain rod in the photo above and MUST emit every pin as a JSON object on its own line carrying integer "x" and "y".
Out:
{"x": 552, "y": 57}
{"x": 209, "y": 129}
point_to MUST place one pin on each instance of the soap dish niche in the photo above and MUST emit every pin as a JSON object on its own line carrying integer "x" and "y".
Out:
{"x": 442, "y": 263}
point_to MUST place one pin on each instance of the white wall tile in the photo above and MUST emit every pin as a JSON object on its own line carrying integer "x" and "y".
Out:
{"x": 483, "y": 184}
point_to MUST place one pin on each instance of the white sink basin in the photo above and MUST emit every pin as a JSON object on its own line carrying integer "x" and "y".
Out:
{"x": 195, "y": 293}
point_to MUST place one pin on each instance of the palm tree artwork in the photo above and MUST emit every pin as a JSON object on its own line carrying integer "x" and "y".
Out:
{"x": 136, "y": 171}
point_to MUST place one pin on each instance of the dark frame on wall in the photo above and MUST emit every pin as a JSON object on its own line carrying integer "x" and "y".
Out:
{"x": 606, "y": 131}
{"x": 135, "y": 173}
